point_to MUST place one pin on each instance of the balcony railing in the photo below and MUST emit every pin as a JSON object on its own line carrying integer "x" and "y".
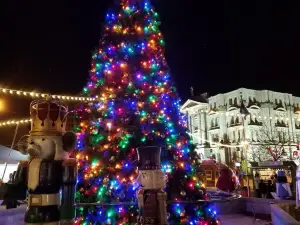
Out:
{"x": 214, "y": 127}
{"x": 255, "y": 122}
{"x": 234, "y": 124}
{"x": 280, "y": 124}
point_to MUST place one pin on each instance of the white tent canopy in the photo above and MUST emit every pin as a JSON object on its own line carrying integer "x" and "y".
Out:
{"x": 12, "y": 163}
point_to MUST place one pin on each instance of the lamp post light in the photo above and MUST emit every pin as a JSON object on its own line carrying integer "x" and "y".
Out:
{"x": 2, "y": 105}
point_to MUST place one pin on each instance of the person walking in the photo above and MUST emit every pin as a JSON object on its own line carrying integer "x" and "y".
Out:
{"x": 263, "y": 189}
{"x": 269, "y": 189}
{"x": 256, "y": 185}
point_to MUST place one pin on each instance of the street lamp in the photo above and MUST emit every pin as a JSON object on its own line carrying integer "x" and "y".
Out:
{"x": 2, "y": 105}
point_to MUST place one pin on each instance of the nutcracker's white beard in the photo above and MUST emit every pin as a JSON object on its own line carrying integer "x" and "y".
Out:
{"x": 34, "y": 173}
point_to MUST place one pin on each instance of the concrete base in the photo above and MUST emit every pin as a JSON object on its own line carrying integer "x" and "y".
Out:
{"x": 239, "y": 219}
{"x": 12, "y": 216}
{"x": 281, "y": 217}
{"x": 231, "y": 212}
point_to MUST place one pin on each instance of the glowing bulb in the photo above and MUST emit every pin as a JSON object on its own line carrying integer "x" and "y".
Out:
{"x": 109, "y": 125}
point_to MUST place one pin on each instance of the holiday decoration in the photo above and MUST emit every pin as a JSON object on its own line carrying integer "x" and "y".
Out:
{"x": 151, "y": 197}
{"x": 38, "y": 95}
{"x": 139, "y": 107}
{"x": 227, "y": 180}
{"x": 49, "y": 169}
{"x": 14, "y": 122}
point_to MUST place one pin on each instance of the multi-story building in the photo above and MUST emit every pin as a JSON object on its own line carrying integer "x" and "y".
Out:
{"x": 217, "y": 125}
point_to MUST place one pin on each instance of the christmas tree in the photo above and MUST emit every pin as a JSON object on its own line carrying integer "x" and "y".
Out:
{"x": 138, "y": 106}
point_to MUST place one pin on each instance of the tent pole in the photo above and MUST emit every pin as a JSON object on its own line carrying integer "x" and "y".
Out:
{"x": 11, "y": 148}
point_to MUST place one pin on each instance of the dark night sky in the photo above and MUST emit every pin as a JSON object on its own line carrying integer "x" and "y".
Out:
{"x": 216, "y": 46}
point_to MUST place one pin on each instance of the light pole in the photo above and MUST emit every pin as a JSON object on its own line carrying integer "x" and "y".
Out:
{"x": 244, "y": 112}
{"x": 2, "y": 105}
{"x": 246, "y": 145}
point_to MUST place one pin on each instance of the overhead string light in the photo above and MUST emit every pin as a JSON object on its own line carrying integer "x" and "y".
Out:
{"x": 212, "y": 113}
{"x": 33, "y": 94}
{"x": 216, "y": 143}
{"x": 14, "y": 122}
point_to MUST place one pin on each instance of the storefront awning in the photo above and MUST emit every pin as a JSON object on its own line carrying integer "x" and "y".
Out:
{"x": 14, "y": 158}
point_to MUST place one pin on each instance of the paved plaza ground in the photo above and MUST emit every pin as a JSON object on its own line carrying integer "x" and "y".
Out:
{"x": 235, "y": 219}
{"x": 16, "y": 216}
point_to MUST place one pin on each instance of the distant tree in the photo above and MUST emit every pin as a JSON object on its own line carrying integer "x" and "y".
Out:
{"x": 271, "y": 144}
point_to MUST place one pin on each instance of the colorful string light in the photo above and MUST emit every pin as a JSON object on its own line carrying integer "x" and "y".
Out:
{"x": 34, "y": 94}
{"x": 139, "y": 106}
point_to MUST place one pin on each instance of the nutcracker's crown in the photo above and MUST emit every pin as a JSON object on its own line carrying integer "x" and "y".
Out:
{"x": 48, "y": 117}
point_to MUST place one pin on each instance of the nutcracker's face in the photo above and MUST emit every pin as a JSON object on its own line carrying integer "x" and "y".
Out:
{"x": 152, "y": 179}
{"x": 45, "y": 147}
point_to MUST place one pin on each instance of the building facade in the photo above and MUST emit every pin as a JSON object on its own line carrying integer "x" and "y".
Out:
{"x": 218, "y": 128}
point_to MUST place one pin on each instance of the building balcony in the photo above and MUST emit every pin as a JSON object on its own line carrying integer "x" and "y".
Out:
{"x": 236, "y": 124}
{"x": 297, "y": 127}
{"x": 279, "y": 106}
{"x": 253, "y": 103}
{"x": 214, "y": 127}
{"x": 195, "y": 129}
{"x": 232, "y": 107}
{"x": 216, "y": 140}
{"x": 255, "y": 123}
{"x": 280, "y": 124}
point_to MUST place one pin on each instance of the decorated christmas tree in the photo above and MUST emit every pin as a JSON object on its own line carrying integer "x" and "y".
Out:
{"x": 138, "y": 106}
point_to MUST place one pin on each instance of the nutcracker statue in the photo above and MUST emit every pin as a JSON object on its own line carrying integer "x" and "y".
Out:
{"x": 151, "y": 197}
{"x": 49, "y": 170}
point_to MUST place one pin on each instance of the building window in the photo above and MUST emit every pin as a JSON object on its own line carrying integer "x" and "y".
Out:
{"x": 190, "y": 123}
{"x": 280, "y": 137}
{"x": 237, "y": 120}
{"x": 195, "y": 129}
{"x": 230, "y": 101}
{"x": 217, "y": 122}
{"x": 232, "y": 121}
{"x": 233, "y": 136}
{"x": 215, "y": 105}
{"x": 212, "y": 123}
{"x": 215, "y": 138}
{"x": 280, "y": 103}
{"x": 235, "y": 101}
{"x": 276, "y": 101}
